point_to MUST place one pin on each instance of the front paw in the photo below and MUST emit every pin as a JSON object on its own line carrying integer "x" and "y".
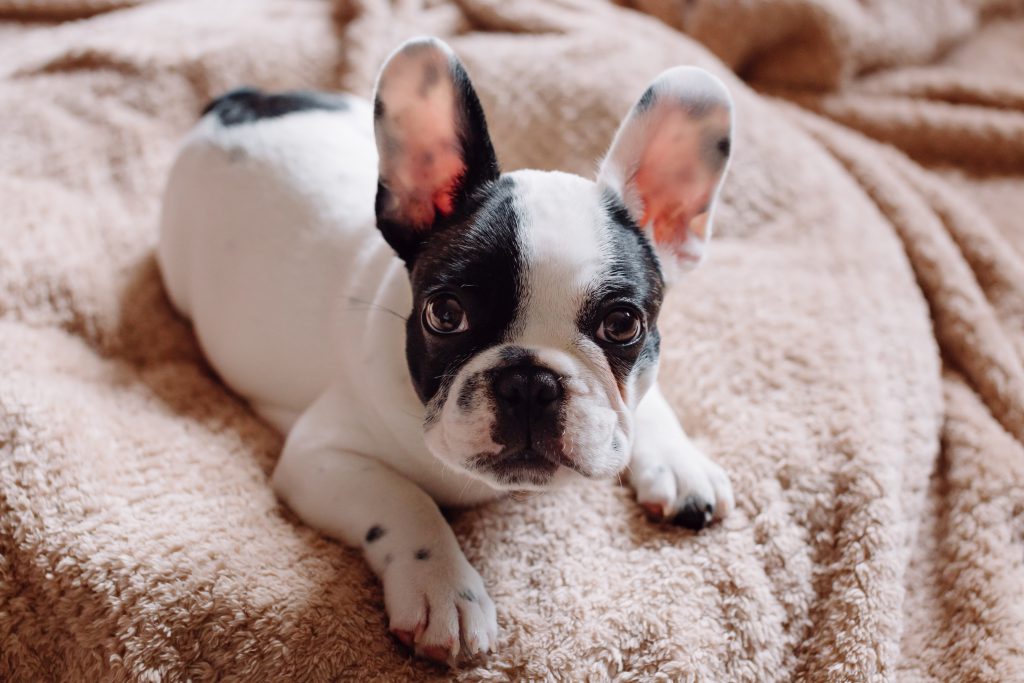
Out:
{"x": 437, "y": 605}
{"x": 682, "y": 485}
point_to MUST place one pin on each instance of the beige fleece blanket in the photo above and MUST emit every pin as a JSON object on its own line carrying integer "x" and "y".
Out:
{"x": 851, "y": 353}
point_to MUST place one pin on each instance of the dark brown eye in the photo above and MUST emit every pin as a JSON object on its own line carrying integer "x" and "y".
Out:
{"x": 443, "y": 314}
{"x": 622, "y": 326}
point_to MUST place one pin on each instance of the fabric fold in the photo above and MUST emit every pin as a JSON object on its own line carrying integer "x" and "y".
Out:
{"x": 851, "y": 353}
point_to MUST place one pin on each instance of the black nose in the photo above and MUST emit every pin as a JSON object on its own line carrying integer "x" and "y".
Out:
{"x": 529, "y": 389}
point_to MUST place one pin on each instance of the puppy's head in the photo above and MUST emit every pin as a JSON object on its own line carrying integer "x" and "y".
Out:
{"x": 533, "y": 333}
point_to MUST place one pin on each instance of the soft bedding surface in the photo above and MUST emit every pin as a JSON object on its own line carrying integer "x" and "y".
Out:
{"x": 851, "y": 353}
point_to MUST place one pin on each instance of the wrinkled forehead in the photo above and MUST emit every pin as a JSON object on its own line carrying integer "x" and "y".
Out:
{"x": 566, "y": 231}
{"x": 554, "y": 225}
{"x": 537, "y": 257}
{"x": 564, "y": 225}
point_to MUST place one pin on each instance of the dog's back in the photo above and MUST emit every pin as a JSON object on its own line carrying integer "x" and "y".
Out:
{"x": 269, "y": 213}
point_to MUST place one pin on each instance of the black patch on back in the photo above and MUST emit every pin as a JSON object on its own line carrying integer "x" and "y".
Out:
{"x": 478, "y": 261}
{"x": 633, "y": 276}
{"x": 246, "y": 105}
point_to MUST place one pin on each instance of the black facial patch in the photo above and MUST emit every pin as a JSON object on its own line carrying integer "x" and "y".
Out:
{"x": 374, "y": 533}
{"x": 479, "y": 262}
{"x": 423, "y": 554}
{"x": 633, "y": 277}
{"x": 245, "y": 105}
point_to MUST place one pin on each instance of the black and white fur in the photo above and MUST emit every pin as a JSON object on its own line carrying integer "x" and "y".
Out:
{"x": 315, "y": 239}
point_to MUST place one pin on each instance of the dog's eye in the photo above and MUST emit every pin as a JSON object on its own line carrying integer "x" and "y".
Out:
{"x": 622, "y": 326}
{"x": 443, "y": 314}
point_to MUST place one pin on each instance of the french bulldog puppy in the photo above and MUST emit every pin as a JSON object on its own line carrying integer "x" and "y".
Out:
{"x": 427, "y": 330}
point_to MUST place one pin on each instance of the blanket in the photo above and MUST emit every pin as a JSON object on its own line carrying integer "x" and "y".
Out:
{"x": 852, "y": 353}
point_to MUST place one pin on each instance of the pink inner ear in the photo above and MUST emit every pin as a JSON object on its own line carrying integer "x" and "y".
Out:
{"x": 445, "y": 175}
{"x": 673, "y": 182}
{"x": 431, "y": 163}
{"x": 421, "y": 158}
{"x": 425, "y": 173}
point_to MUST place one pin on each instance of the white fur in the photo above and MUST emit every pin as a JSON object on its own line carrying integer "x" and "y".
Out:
{"x": 667, "y": 470}
{"x": 268, "y": 244}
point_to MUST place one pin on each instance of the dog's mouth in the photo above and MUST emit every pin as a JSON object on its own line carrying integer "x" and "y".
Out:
{"x": 530, "y": 466}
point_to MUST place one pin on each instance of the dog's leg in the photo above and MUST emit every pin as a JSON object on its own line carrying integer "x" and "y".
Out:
{"x": 436, "y": 602}
{"x": 673, "y": 479}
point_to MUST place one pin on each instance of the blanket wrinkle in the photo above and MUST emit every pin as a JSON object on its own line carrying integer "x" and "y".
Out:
{"x": 824, "y": 44}
{"x": 851, "y": 353}
{"x": 967, "y": 327}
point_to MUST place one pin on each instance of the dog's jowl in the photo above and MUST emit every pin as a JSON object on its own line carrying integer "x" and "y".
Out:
{"x": 429, "y": 330}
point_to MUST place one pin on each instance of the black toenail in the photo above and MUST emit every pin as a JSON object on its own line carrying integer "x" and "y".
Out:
{"x": 693, "y": 517}
{"x": 422, "y": 554}
{"x": 374, "y": 533}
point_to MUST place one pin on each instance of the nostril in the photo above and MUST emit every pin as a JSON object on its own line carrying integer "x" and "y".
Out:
{"x": 512, "y": 386}
{"x": 519, "y": 386}
{"x": 545, "y": 387}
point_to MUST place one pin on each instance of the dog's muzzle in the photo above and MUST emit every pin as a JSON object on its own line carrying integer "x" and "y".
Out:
{"x": 529, "y": 401}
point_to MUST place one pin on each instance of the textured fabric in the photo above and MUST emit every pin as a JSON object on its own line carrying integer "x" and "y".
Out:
{"x": 851, "y": 353}
{"x": 824, "y": 42}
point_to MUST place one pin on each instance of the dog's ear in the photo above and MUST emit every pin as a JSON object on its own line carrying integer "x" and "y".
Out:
{"x": 432, "y": 141}
{"x": 668, "y": 159}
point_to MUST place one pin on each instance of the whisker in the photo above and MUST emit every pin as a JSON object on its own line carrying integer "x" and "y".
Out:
{"x": 465, "y": 486}
{"x": 375, "y": 306}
